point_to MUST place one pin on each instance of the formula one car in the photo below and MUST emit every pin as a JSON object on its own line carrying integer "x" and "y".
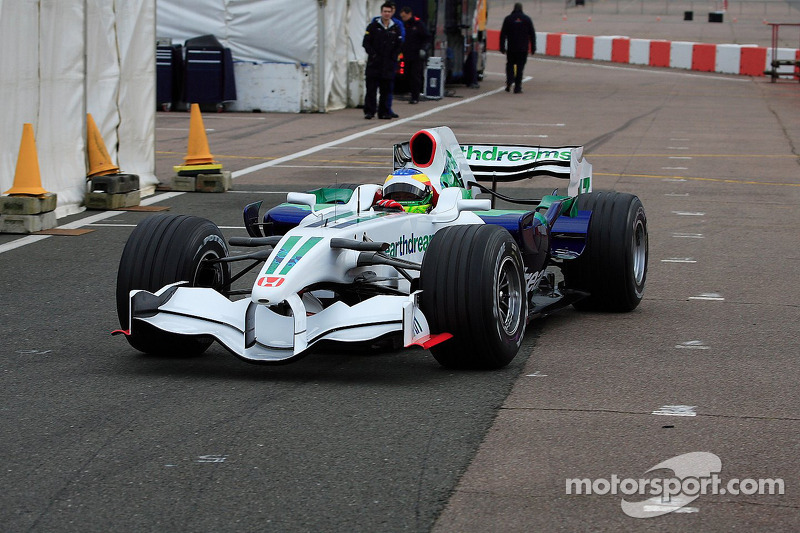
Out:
{"x": 420, "y": 259}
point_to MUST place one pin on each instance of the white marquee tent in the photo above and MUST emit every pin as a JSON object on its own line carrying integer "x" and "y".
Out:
{"x": 61, "y": 59}
{"x": 280, "y": 46}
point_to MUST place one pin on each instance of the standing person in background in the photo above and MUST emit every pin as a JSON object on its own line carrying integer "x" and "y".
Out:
{"x": 382, "y": 42}
{"x": 414, "y": 51}
{"x": 517, "y": 37}
{"x": 399, "y": 23}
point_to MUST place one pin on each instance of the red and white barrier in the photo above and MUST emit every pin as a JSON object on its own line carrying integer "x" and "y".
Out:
{"x": 747, "y": 60}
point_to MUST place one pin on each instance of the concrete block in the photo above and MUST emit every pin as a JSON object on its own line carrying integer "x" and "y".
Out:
{"x": 101, "y": 200}
{"x": 568, "y": 41}
{"x": 184, "y": 183}
{"x": 214, "y": 182}
{"x": 27, "y": 223}
{"x": 28, "y": 205}
{"x": 114, "y": 183}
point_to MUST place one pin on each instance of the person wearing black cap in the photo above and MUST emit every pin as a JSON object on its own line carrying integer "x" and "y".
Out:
{"x": 517, "y": 37}
{"x": 414, "y": 49}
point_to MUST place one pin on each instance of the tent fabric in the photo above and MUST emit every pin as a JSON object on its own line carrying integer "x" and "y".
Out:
{"x": 326, "y": 35}
{"x": 19, "y": 83}
{"x": 59, "y": 129}
{"x": 62, "y": 59}
{"x": 135, "y": 22}
{"x": 255, "y": 30}
{"x": 103, "y": 71}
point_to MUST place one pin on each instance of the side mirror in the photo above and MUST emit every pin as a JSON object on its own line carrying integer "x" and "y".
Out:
{"x": 302, "y": 198}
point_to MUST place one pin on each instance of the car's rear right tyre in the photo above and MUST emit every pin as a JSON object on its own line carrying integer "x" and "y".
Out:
{"x": 473, "y": 286}
{"x": 613, "y": 266}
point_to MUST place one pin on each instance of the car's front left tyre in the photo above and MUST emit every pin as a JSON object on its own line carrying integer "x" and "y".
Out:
{"x": 165, "y": 249}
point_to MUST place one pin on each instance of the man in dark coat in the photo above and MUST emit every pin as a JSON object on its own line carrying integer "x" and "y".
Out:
{"x": 414, "y": 50}
{"x": 382, "y": 42}
{"x": 517, "y": 37}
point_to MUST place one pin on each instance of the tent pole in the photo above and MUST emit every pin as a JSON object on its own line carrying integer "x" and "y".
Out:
{"x": 321, "y": 107}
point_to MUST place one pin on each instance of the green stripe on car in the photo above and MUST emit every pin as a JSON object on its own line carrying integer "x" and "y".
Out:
{"x": 309, "y": 244}
{"x": 282, "y": 253}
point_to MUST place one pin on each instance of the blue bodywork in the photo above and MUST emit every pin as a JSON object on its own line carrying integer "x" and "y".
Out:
{"x": 566, "y": 237}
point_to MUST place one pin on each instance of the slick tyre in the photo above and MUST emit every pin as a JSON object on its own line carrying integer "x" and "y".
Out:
{"x": 165, "y": 249}
{"x": 613, "y": 266}
{"x": 473, "y": 286}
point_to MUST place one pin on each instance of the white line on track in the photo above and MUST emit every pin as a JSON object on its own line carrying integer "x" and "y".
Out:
{"x": 710, "y": 297}
{"x": 679, "y": 260}
{"x": 359, "y": 167}
{"x": 365, "y": 148}
{"x": 674, "y": 168}
{"x": 485, "y": 123}
{"x": 676, "y": 410}
{"x": 180, "y": 129}
{"x": 206, "y": 117}
{"x": 481, "y": 135}
{"x": 693, "y": 345}
{"x": 30, "y": 239}
{"x": 134, "y": 225}
{"x": 258, "y": 192}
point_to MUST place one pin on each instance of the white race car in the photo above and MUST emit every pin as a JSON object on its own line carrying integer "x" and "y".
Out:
{"x": 419, "y": 258}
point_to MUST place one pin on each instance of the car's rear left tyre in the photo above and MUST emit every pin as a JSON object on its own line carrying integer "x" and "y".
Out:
{"x": 165, "y": 249}
{"x": 473, "y": 286}
{"x": 613, "y": 266}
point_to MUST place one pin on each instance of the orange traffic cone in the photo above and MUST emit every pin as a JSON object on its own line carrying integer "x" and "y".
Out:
{"x": 99, "y": 161}
{"x": 27, "y": 178}
{"x": 198, "y": 157}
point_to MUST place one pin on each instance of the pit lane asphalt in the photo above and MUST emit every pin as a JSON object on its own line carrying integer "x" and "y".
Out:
{"x": 96, "y": 437}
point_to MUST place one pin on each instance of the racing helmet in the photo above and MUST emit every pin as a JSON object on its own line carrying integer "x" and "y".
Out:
{"x": 409, "y": 187}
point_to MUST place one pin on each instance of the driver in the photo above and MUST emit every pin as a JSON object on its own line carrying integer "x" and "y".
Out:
{"x": 409, "y": 189}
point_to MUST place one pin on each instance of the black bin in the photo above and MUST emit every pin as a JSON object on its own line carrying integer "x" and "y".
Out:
{"x": 169, "y": 75}
{"x": 208, "y": 77}
{"x": 688, "y": 15}
{"x": 715, "y": 16}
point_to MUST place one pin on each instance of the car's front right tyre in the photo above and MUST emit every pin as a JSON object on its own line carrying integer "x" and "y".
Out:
{"x": 473, "y": 286}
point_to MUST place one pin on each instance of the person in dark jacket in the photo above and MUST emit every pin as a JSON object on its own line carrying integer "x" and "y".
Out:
{"x": 382, "y": 42}
{"x": 390, "y": 97}
{"x": 414, "y": 51}
{"x": 517, "y": 37}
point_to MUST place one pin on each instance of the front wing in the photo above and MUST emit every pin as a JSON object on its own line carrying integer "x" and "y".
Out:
{"x": 258, "y": 333}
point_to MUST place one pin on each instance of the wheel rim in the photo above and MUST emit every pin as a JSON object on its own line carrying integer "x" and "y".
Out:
{"x": 639, "y": 252}
{"x": 209, "y": 274}
{"x": 508, "y": 300}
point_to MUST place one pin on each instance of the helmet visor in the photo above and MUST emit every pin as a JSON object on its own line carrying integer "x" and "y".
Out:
{"x": 406, "y": 189}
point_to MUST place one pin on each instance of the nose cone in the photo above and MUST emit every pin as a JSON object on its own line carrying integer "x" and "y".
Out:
{"x": 295, "y": 263}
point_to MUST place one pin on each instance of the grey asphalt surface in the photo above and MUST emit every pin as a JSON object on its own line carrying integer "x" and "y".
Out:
{"x": 96, "y": 437}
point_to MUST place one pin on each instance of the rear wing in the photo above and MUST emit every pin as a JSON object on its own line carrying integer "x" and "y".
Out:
{"x": 512, "y": 162}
